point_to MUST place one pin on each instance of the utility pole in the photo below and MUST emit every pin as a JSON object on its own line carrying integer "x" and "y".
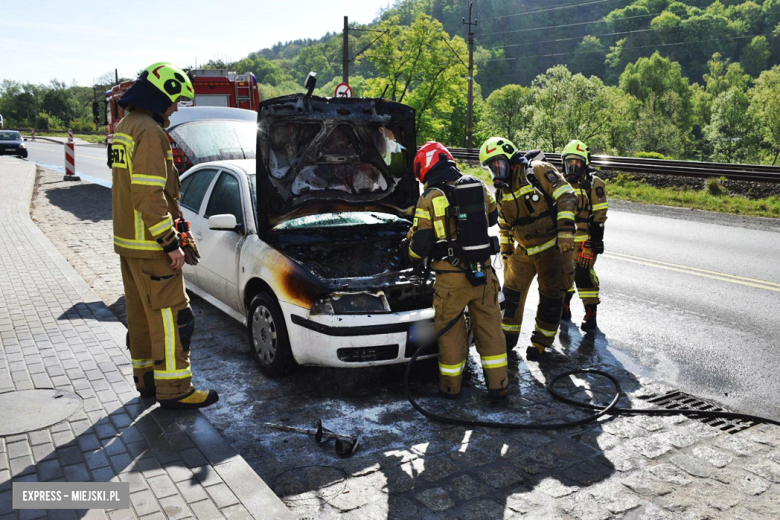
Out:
{"x": 345, "y": 52}
{"x": 470, "y": 109}
{"x": 116, "y": 76}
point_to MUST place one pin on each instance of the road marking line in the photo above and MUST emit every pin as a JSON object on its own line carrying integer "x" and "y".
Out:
{"x": 695, "y": 271}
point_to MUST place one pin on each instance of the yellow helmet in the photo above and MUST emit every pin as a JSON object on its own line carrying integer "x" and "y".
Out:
{"x": 170, "y": 80}
{"x": 576, "y": 158}
{"x": 495, "y": 147}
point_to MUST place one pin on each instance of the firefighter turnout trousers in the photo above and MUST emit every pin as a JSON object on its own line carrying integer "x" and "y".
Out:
{"x": 160, "y": 324}
{"x": 587, "y": 282}
{"x": 453, "y": 292}
{"x": 556, "y": 274}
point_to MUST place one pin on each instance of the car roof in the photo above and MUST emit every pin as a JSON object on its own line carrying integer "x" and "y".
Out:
{"x": 189, "y": 114}
{"x": 248, "y": 166}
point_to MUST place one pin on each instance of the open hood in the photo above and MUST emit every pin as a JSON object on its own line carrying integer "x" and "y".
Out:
{"x": 324, "y": 155}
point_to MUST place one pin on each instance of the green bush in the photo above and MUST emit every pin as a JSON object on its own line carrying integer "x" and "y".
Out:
{"x": 714, "y": 187}
{"x": 82, "y": 123}
{"x": 651, "y": 155}
{"x": 46, "y": 121}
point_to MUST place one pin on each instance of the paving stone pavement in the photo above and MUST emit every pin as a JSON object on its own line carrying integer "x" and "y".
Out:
{"x": 56, "y": 333}
{"x": 407, "y": 467}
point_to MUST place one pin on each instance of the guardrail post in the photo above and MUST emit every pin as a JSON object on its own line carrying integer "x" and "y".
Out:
{"x": 70, "y": 159}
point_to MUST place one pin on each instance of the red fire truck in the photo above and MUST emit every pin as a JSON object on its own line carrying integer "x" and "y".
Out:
{"x": 213, "y": 88}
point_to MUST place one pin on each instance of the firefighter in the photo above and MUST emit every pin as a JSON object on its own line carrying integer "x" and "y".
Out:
{"x": 590, "y": 216}
{"x": 459, "y": 250}
{"x": 536, "y": 211}
{"x": 145, "y": 195}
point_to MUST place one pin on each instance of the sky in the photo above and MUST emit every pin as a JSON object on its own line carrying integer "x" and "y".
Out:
{"x": 80, "y": 40}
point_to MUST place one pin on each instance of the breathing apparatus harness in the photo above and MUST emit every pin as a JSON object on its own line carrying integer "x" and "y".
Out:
{"x": 474, "y": 246}
{"x": 502, "y": 186}
{"x": 599, "y": 411}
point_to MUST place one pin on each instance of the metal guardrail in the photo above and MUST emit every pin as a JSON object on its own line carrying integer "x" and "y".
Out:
{"x": 737, "y": 172}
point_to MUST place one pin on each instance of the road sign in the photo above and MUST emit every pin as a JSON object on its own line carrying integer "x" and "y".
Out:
{"x": 343, "y": 90}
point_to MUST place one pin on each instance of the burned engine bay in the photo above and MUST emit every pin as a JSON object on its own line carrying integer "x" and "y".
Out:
{"x": 357, "y": 259}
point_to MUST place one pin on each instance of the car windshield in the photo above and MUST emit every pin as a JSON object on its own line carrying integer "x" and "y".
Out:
{"x": 216, "y": 140}
{"x": 331, "y": 220}
{"x": 10, "y": 136}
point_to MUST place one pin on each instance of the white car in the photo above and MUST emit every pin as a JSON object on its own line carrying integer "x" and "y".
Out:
{"x": 298, "y": 243}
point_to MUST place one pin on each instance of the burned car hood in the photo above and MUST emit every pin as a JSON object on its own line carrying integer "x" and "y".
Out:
{"x": 318, "y": 155}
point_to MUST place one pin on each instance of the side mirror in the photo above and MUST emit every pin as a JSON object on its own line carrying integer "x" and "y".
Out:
{"x": 223, "y": 222}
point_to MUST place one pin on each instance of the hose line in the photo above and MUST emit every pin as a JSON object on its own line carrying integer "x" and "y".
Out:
{"x": 599, "y": 411}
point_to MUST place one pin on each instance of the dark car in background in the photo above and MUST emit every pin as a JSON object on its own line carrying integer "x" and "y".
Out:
{"x": 12, "y": 143}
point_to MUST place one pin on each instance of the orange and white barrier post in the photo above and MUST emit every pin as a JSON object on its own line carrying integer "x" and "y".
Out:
{"x": 70, "y": 159}
{"x": 33, "y": 135}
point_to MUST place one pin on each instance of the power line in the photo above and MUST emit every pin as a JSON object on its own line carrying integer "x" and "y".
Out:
{"x": 626, "y": 48}
{"x": 601, "y": 20}
{"x": 569, "y": 39}
{"x": 454, "y": 52}
{"x": 548, "y": 9}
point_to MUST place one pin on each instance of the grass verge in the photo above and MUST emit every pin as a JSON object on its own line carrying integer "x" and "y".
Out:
{"x": 87, "y": 137}
{"x": 714, "y": 197}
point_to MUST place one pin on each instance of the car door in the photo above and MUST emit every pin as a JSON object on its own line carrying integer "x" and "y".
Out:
{"x": 193, "y": 191}
{"x": 220, "y": 249}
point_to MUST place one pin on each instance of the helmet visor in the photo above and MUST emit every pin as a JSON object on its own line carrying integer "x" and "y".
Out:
{"x": 573, "y": 166}
{"x": 498, "y": 167}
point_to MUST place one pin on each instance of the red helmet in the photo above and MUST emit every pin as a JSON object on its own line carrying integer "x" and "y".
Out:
{"x": 430, "y": 154}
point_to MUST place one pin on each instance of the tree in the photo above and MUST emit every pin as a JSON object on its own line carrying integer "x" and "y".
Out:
{"x": 656, "y": 129}
{"x": 589, "y": 57}
{"x": 732, "y": 130}
{"x": 755, "y": 56}
{"x": 566, "y": 106}
{"x": 765, "y": 107}
{"x": 420, "y": 66}
{"x": 666, "y": 97}
{"x": 506, "y": 113}
{"x": 724, "y": 75}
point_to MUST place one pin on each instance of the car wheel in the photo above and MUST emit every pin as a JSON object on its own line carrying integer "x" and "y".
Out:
{"x": 268, "y": 340}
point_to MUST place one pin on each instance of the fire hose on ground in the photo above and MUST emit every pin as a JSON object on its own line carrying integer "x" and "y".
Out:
{"x": 599, "y": 411}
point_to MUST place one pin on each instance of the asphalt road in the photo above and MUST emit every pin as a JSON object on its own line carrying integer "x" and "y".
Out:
{"x": 691, "y": 299}
{"x": 694, "y": 304}
{"x": 90, "y": 160}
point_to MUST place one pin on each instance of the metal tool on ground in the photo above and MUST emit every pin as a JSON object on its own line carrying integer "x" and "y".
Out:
{"x": 346, "y": 445}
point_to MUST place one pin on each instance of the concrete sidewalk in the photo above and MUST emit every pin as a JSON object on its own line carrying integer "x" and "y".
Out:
{"x": 55, "y": 332}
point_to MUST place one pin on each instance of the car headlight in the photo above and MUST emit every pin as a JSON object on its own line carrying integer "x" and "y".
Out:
{"x": 352, "y": 303}
{"x": 22, "y": 146}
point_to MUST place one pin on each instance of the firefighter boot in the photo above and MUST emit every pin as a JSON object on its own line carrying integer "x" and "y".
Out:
{"x": 589, "y": 323}
{"x": 194, "y": 399}
{"x": 149, "y": 391}
{"x": 566, "y": 314}
{"x": 534, "y": 352}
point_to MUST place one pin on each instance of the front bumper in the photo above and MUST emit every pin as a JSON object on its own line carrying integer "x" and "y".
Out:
{"x": 351, "y": 340}
{"x": 17, "y": 152}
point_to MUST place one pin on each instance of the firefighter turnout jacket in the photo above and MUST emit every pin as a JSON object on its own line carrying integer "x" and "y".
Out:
{"x": 533, "y": 216}
{"x": 145, "y": 188}
{"x": 453, "y": 291}
{"x": 527, "y": 216}
{"x": 145, "y": 196}
{"x": 590, "y": 216}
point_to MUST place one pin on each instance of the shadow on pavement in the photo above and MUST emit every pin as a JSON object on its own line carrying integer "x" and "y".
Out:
{"x": 431, "y": 470}
{"x": 83, "y": 200}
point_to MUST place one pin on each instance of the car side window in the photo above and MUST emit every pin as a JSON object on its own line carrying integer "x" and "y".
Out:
{"x": 194, "y": 191}
{"x": 226, "y": 198}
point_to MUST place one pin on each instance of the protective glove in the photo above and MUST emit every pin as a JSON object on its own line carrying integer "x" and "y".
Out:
{"x": 190, "y": 248}
{"x": 586, "y": 256}
{"x": 598, "y": 247}
{"x": 565, "y": 241}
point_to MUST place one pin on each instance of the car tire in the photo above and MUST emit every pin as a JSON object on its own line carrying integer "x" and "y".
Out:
{"x": 269, "y": 343}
